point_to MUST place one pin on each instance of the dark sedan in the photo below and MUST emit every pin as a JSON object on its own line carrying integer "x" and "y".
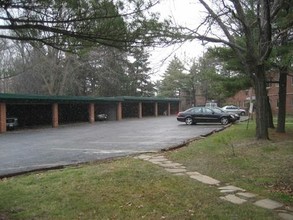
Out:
{"x": 203, "y": 114}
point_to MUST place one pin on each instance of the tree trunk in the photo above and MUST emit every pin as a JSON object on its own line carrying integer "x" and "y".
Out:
{"x": 282, "y": 100}
{"x": 270, "y": 114}
{"x": 261, "y": 103}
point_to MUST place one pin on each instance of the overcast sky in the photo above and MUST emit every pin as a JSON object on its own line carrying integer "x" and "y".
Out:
{"x": 183, "y": 12}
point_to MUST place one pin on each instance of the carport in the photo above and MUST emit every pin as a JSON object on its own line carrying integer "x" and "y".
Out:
{"x": 37, "y": 110}
{"x": 148, "y": 106}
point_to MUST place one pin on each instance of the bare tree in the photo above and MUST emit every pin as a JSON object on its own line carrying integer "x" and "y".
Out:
{"x": 44, "y": 70}
{"x": 8, "y": 56}
{"x": 245, "y": 26}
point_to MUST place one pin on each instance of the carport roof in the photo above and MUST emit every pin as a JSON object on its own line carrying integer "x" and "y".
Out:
{"x": 52, "y": 99}
{"x": 148, "y": 99}
{"x": 27, "y": 98}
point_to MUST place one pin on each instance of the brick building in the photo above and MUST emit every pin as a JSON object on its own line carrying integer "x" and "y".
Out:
{"x": 273, "y": 93}
{"x": 243, "y": 97}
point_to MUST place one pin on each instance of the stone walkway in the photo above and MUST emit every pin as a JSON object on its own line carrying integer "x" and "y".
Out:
{"x": 230, "y": 193}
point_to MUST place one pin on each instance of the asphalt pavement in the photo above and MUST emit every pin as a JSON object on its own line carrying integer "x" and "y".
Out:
{"x": 34, "y": 149}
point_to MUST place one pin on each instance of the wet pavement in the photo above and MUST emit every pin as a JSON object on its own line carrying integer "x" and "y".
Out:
{"x": 34, "y": 149}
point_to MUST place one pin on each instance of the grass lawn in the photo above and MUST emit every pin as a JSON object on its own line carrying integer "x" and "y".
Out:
{"x": 130, "y": 188}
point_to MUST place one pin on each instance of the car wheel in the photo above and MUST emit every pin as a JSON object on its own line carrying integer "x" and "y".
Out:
{"x": 242, "y": 113}
{"x": 224, "y": 121}
{"x": 188, "y": 121}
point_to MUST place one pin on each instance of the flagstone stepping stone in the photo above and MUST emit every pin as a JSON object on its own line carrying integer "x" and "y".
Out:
{"x": 179, "y": 174}
{"x": 175, "y": 170}
{"x": 268, "y": 204}
{"x": 229, "y": 189}
{"x": 168, "y": 161}
{"x": 246, "y": 195}
{"x": 170, "y": 165}
{"x": 233, "y": 199}
{"x": 203, "y": 178}
{"x": 286, "y": 216}
{"x": 193, "y": 173}
{"x": 157, "y": 159}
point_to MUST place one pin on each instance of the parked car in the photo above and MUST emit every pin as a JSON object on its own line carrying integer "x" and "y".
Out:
{"x": 203, "y": 114}
{"x": 11, "y": 123}
{"x": 217, "y": 109}
{"x": 102, "y": 117}
{"x": 211, "y": 105}
{"x": 234, "y": 109}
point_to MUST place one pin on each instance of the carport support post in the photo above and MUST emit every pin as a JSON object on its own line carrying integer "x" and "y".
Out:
{"x": 91, "y": 110}
{"x": 119, "y": 111}
{"x": 139, "y": 110}
{"x": 2, "y": 117}
{"x": 156, "y": 109}
{"x": 55, "y": 119}
{"x": 169, "y": 109}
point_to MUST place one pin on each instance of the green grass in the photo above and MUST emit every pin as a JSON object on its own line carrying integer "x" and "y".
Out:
{"x": 129, "y": 188}
{"x": 235, "y": 157}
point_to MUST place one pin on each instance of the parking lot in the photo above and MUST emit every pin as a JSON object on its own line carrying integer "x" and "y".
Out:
{"x": 27, "y": 150}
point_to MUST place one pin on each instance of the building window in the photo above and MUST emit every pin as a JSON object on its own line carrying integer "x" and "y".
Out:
{"x": 291, "y": 80}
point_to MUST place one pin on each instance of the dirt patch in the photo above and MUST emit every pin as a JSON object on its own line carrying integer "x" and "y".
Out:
{"x": 251, "y": 143}
{"x": 280, "y": 137}
{"x": 284, "y": 185}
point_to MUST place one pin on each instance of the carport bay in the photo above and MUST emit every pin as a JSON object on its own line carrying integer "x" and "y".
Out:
{"x": 35, "y": 110}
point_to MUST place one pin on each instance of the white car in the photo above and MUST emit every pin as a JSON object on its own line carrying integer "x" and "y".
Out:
{"x": 102, "y": 117}
{"x": 11, "y": 123}
{"x": 234, "y": 109}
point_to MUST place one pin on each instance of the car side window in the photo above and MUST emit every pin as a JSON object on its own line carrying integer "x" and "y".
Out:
{"x": 208, "y": 111}
{"x": 196, "y": 110}
{"x": 217, "y": 110}
{"x": 190, "y": 110}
